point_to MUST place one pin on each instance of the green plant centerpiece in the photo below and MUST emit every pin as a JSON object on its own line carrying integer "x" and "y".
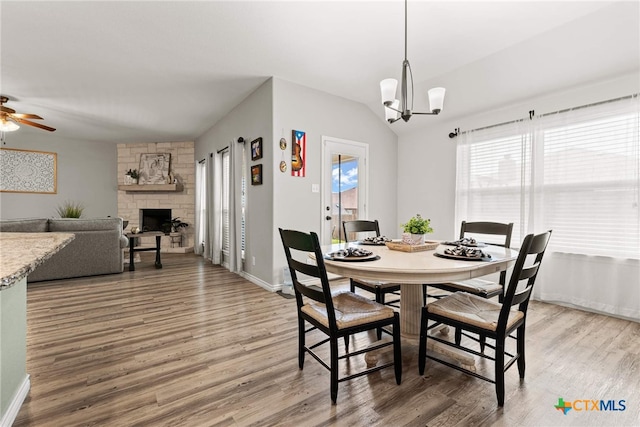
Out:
{"x": 415, "y": 229}
{"x": 174, "y": 225}
{"x": 70, "y": 210}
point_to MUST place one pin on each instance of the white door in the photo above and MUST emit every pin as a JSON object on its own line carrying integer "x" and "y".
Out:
{"x": 344, "y": 185}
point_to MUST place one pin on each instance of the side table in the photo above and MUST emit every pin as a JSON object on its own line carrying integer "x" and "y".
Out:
{"x": 133, "y": 249}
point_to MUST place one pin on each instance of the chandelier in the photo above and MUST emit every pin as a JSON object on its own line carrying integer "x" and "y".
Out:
{"x": 388, "y": 87}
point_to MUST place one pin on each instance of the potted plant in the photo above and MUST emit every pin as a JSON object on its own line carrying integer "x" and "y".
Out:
{"x": 174, "y": 225}
{"x": 70, "y": 210}
{"x": 415, "y": 229}
{"x": 131, "y": 177}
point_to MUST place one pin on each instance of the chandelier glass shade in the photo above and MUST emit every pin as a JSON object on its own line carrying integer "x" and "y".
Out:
{"x": 404, "y": 105}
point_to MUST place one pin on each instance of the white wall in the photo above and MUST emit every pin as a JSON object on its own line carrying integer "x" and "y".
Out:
{"x": 86, "y": 174}
{"x": 320, "y": 114}
{"x": 427, "y": 158}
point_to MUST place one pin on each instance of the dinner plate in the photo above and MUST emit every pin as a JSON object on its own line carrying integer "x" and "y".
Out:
{"x": 371, "y": 257}
{"x": 469, "y": 245}
{"x": 369, "y": 243}
{"x": 440, "y": 252}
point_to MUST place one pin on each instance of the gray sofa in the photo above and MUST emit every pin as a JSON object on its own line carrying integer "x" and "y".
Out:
{"x": 97, "y": 248}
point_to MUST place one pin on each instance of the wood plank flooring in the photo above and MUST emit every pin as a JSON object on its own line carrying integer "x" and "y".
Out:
{"x": 194, "y": 345}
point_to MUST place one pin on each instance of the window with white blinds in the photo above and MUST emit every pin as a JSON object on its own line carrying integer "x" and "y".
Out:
{"x": 575, "y": 172}
{"x": 226, "y": 238}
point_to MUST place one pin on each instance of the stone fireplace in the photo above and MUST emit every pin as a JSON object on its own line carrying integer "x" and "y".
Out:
{"x": 148, "y": 206}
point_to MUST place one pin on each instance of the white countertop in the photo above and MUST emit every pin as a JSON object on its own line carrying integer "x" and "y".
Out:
{"x": 21, "y": 253}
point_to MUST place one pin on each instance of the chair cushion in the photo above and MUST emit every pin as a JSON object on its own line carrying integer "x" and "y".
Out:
{"x": 473, "y": 310}
{"x": 476, "y": 286}
{"x": 351, "y": 310}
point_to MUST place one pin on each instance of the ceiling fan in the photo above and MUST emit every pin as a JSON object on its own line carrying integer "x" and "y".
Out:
{"x": 9, "y": 119}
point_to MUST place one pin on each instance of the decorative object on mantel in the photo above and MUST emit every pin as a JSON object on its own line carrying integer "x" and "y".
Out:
{"x": 256, "y": 174}
{"x": 393, "y": 106}
{"x": 256, "y": 149}
{"x": 415, "y": 229}
{"x": 154, "y": 168}
{"x": 298, "y": 153}
{"x": 28, "y": 171}
{"x": 70, "y": 210}
{"x": 131, "y": 177}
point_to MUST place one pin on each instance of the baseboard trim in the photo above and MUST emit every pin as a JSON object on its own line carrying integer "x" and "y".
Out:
{"x": 267, "y": 286}
{"x": 18, "y": 399}
{"x": 278, "y": 286}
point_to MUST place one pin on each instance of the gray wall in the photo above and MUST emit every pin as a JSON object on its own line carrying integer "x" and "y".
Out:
{"x": 86, "y": 174}
{"x": 320, "y": 114}
{"x": 273, "y": 111}
{"x": 252, "y": 118}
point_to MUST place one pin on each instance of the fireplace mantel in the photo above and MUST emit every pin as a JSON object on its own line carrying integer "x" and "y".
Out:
{"x": 151, "y": 188}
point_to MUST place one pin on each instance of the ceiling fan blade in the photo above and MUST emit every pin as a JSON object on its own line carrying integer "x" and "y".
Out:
{"x": 38, "y": 125}
{"x": 7, "y": 109}
{"x": 26, "y": 116}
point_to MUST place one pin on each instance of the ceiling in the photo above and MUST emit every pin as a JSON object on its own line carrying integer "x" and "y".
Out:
{"x": 117, "y": 71}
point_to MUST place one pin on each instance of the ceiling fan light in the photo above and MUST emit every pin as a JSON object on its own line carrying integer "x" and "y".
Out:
{"x": 388, "y": 91}
{"x": 8, "y": 125}
{"x": 436, "y": 99}
{"x": 390, "y": 114}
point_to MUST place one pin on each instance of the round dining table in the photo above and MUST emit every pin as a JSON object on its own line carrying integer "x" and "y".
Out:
{"x": 413, "y": 269}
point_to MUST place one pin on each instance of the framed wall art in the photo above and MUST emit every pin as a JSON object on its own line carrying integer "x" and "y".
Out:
{"x": 28, "y": 171}
{"x": 256, "y": 149}
{"x": 256, "y": 174}
{"x": 154, "y": 168}
{"x": 298, "y": 153}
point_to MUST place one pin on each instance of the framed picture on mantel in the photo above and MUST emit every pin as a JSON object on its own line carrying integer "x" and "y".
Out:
{"x": 154, "y": 168}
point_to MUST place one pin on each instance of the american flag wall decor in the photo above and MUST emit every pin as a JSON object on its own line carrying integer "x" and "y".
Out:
{"x": 298, "y": 153}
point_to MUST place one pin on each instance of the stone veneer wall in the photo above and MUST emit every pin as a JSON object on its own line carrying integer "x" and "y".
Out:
{"x": 181, "y": 203}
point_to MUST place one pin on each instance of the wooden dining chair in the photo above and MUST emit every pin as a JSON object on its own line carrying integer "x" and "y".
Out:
{"x": 337, "y": 314}
{"x": 379, "y": 289}
{"x": 480, "y": 287}
{"x": 478, "y": 316}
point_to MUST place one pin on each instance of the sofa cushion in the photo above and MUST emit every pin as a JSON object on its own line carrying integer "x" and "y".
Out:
{"x": 66, "y": 225}
{"x": 36, "y": 225}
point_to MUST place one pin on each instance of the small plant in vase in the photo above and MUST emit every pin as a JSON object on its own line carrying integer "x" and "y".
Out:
{"x": 131, "y": 177}
{"x": 415, "y": 229}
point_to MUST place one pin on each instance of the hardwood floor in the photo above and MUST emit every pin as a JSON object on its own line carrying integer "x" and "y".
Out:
{"x": 194, "y": 345}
